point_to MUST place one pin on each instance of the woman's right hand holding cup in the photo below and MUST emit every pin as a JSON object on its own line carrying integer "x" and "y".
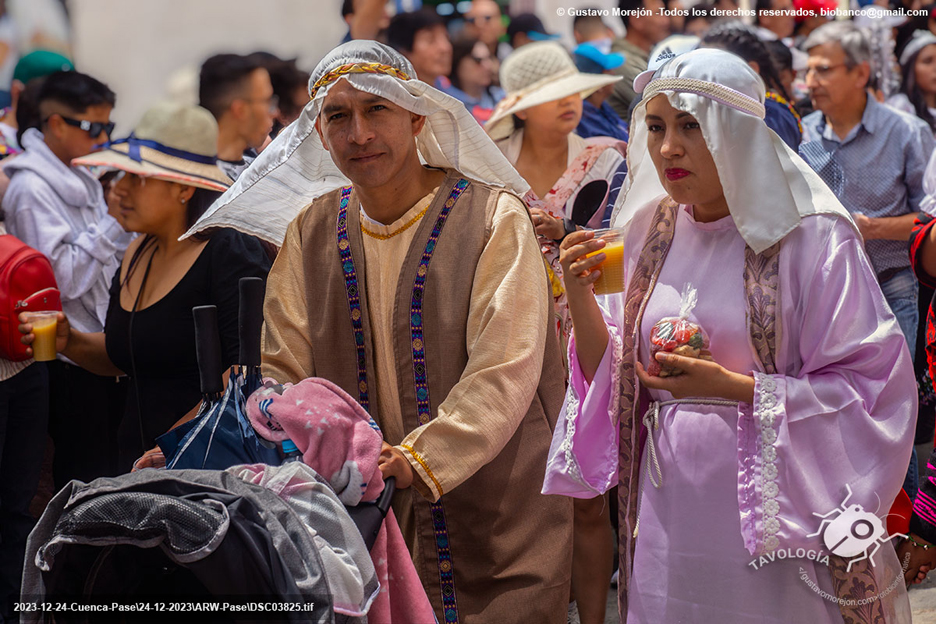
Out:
{"x": 579, "y": 272}
{"x": 62, "y": 332}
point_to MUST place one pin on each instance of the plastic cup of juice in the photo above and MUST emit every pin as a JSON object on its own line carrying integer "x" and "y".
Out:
{"x": 611, "y": 279}
{"x": 44, "y": 324}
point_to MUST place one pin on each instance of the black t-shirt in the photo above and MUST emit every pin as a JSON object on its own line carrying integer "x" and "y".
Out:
{"x": 164, "y": 382}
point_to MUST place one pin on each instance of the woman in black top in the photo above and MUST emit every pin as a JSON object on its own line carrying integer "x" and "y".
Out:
{"x": 159, "y": 354}
{"x": 170, "y": 179}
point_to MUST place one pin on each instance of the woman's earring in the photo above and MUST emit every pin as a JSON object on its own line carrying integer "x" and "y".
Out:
{"x": 182, "y": 200}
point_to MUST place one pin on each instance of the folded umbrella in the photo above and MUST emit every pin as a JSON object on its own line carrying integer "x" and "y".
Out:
{"x": 221, "y": 436}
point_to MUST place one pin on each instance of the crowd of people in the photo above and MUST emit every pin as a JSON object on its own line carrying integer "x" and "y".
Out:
{"x": 432, "y": 209}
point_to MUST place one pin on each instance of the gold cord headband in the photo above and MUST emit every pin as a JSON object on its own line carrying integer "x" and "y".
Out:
{"x": 356, "y": 68}
{"x": 711, "y": 90}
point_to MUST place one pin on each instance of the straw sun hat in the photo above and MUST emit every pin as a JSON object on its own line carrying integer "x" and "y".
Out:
{"x": 535, "y": 74}
{"x": 172, "y": 142}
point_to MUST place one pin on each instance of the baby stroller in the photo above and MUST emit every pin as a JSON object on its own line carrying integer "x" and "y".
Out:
{"x": 161, "y": 545}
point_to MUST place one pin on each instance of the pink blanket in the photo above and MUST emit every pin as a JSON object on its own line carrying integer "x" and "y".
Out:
{"x": 340, "y": 442}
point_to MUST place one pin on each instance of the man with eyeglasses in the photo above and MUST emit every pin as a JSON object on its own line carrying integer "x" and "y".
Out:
{"x": 873, "y": 157}
{"x": 484, "y": 21}
{"x": 60, "y": 210}
{"x": 238, "y": 92}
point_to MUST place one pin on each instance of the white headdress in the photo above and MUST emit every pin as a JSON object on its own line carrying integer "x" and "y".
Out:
{"x": 919, "y": 40}
{"x": 768, "y": 187}
{"x": 295, "y": 168}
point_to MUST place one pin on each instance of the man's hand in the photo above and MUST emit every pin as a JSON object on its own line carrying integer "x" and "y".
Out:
{"x": 700, "y": 378}
{"x": 865, "y": 225}
{"x": 393, "y": 463}
{"x": 922, "y": 560}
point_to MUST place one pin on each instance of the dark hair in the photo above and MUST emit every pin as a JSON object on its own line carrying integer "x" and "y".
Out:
{"x": 347, "y": 8}
{"x": 27, "y": 109}
{"x": 909, "y": 87}
{"x": 628, "y": 8}
{"x": 403, "y": 28}
{"x": 461, "y": 49}
{"x": 760, "y": 6}
{"x": 75, "y": 91}
{"x": 196, "y": 206}
{"x": 286, "y": 78}
{"x": 586, "y": 20}
{"x": 781, "y": 55}
{"x": 738, "y": 38}
{"x": 222, "y": 78}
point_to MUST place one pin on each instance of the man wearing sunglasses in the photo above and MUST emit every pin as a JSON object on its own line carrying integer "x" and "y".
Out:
{"x": 60, "y": 210}
{"x": 484, "y": 21}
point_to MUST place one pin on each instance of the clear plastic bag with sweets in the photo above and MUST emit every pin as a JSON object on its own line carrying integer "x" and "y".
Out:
{"x": 679, "y": 335}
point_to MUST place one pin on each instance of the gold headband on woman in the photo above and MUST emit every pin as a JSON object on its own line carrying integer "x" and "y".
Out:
{"x": 356, "y": 68}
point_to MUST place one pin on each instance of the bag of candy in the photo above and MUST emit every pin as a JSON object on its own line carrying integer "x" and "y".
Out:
{"x": 678, "y": 335}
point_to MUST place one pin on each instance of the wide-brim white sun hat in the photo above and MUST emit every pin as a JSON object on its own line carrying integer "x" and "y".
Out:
{"x": 535, "y": 74}
{"x": 172, "y": 142}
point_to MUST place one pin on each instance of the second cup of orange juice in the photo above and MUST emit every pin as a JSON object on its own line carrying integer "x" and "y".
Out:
{"x": 44, "y": 325}
{"x": 611, "y": 279}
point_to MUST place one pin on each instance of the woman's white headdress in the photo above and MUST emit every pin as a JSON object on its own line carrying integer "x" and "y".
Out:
{"x": 919, "y": 40}
{"x": 295, "y": 168}
{"x": 768, "y": 187}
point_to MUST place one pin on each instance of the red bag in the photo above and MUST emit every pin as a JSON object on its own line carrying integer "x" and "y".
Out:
{"x": 27, "y": 284}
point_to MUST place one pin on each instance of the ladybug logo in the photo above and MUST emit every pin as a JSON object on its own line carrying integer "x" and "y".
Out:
{"x": 849, "y": 531}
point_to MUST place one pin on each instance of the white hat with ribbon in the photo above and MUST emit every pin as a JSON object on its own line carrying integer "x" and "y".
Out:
{"x": 535, "y": 74}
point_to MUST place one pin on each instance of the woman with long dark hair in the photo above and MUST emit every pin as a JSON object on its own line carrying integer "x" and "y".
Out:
{"x": 918, "y": 78}
{"x": 740, "y": 39}
{"x": 170, "y": 178}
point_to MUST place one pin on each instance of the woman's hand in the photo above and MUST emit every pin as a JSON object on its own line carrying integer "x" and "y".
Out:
{"x": 62, "y": 333}
{"x": 700, "y": 378}
{"x": 152, "y": 458}
{"x": 393, "y": 463}
{"x": 921, "y": 560}
{"x": 578, "y": 275}
{"x": 577, "y": 270}
{"x": 547, "y": 225}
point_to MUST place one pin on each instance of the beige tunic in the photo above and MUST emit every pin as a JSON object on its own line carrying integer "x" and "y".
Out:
{"x": 506, "y": 349}
{"x": 495, "y": 396}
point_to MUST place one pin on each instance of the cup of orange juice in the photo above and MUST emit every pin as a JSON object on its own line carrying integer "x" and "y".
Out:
{"x": 611, "y": 279}
{"x": 44, "y": 324}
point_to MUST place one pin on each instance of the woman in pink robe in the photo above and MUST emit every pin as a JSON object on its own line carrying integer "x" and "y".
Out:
{"x": 811, "y": 393}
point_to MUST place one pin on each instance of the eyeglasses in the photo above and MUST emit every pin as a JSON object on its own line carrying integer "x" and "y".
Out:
{"x": 482, "y": 18}
{"x": 822, "y": 71}
{"x": 93, "y": 128}
{"x": 272, "y": 103}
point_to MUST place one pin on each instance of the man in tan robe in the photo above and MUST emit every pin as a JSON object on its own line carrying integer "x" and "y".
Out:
{"x": 422, "y": 293}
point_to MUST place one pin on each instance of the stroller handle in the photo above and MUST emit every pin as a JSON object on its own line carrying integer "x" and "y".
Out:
{"x": 369, "y": 517}
{"x": 208, "y": 349}
{"x": 250, "y": 320}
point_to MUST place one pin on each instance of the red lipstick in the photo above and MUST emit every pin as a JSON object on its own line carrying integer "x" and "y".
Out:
{"x": 675, "y": 174}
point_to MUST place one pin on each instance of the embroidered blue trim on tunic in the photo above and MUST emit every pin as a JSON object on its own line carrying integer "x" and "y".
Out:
{"x": 443, "y": 550}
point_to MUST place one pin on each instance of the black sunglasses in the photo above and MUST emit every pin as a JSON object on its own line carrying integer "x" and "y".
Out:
{"x": 93, "y": 128}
